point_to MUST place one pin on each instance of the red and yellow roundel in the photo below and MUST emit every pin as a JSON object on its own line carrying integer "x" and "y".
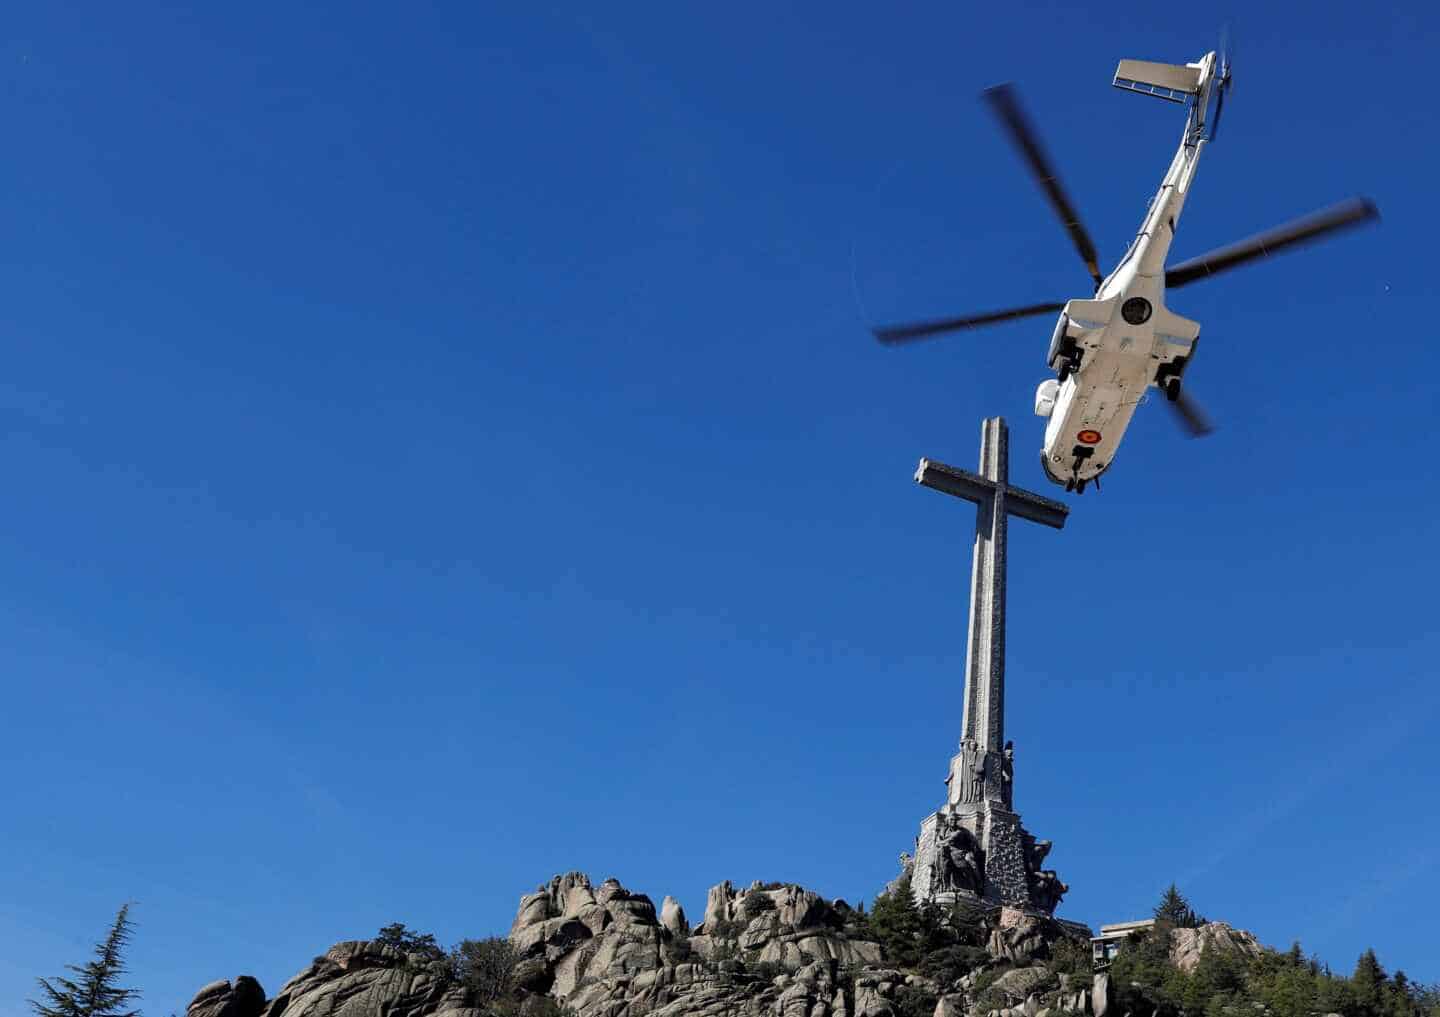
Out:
{"x": 1088, "y": 437}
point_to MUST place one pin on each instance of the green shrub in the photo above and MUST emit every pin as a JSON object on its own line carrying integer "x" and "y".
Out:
{"x": 983, "y": 992}
{"x": 766, "y": 971}
{"x": 911, "y": 1001}
{"x": 949, "y": 964}
{"x": 724, "y": 952}
{"x": 680, "y": 948}
{"x": 1071, "y": 957}
{"x": 722, "y": 929}
{"x": 756, "y": 904}
{"x": 485, "y": 967}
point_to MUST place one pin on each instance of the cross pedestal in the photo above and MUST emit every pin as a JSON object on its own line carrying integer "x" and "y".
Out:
{"x": 974, "y": 847}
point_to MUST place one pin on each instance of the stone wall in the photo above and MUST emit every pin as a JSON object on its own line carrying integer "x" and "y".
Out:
{"x": 1005, "y": 873}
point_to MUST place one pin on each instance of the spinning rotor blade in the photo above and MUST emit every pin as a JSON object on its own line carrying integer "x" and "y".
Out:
{"x": 1190, "y": 416}
{"x": 925, "y": 329}
{"x": 1297, "y": 231}
{"x": 1007, "y": 107}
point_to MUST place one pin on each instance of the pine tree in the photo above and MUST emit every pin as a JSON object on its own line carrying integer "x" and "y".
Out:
{"x": 409, "y": 940}
{"x": 895, "y": 920}
{"x": 1368, "y": 983}
{"x": 95, "y": 994}
{"x": 1399, "y": 998}
{"x": 1175, "y": 909}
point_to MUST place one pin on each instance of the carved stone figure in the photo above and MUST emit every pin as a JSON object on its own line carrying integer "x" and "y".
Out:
{"x": 1046, "y": 890}
{"x": 958, "y": 864}
{"x": 1035, "y": 851}
{"x": 1007, "y": 776}
{"x": 972, "y": 771}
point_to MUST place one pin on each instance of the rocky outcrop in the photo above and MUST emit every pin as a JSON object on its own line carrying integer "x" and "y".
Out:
{"x": 1023, "y": 938}
{"x": 242, "y": 998}
{"x": 770, "y": 949}
{"x": 786, "y": 925}
{"x": 363, "y": 979}
{"x": 1018, "y": 984}
{"x": 1186, "y": 945}
{"x": 672, "y": 916}
{"x": 950, "y": 1005}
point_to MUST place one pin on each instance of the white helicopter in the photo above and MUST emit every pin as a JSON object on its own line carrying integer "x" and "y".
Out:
{"x": 1109, "y": 349}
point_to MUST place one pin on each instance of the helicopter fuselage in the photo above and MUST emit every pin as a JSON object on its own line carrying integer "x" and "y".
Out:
{"x": 1110, "y": 350}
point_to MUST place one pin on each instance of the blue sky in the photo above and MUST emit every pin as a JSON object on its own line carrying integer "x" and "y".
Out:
{"x": 444, "y": 449}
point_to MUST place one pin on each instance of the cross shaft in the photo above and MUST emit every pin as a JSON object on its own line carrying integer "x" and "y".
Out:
{"x": 996, "y": 501}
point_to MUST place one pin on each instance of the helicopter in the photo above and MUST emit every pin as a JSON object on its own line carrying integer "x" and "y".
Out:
{"x": 1108, "y": 350}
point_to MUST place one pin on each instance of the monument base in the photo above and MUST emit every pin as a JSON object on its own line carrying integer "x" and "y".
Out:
{"x": 980, "y": 854}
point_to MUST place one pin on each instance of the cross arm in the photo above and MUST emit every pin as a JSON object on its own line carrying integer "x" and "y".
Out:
{"x": 972, "y": 487}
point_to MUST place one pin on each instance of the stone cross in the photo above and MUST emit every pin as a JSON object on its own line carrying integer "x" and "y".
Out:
{"x": 983, "y": 738}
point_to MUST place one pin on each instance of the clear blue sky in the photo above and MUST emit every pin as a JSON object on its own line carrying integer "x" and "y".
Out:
{"x": 443, "y": 449}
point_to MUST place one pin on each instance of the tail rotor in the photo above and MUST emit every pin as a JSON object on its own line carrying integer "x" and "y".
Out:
{"x": 1222, "y": 80}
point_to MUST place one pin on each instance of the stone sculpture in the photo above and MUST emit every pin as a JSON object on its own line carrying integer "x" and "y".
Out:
{"x": 960, "y": 865}
{"x": 972, "y": 770}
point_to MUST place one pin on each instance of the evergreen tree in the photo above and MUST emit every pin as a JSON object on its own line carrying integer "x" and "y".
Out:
{"x": 1368, "y": 984}
{"x": 1334, "y": 995}
{"x": 1220, "y": 973}
{"x": 1400, "y": 997}
{"x": 96, "y": 994}
{"x": 1144, "y": 980}
{"x": 1175, "y": 909}
{"x": 857, "y": 923}
{"x": 409, "y": 941}
{"x": 1287, "y": 991}
{"x": 895, "y": 920}
{"x": 932, "y": 933}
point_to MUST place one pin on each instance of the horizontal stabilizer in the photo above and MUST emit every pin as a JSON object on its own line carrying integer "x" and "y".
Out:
{"x": 1173, "y": 329}
{"x": 1090, "y": 313}
{"x": 1172, "y": 82}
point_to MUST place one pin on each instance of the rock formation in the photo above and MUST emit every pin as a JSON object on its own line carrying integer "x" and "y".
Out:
{"x": 242, "y": 998}
{"x": 353, "y": 979}
{"x": 1022, "y": 938}
{"x": 1186, "y": 945}
{"x": 604, "y": 953}
{"x": 768, "y": 950}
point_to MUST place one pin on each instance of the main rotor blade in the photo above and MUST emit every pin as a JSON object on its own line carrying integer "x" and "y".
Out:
{"x": 892, "y": 334}
{"x": 1190, "y": 416}
{"x": 1297, "y": 231}
{"x": 1003, "y": 100}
